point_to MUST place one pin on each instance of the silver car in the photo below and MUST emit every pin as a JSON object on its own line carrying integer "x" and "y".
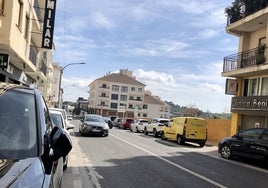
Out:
{"x": 93, "y": 124}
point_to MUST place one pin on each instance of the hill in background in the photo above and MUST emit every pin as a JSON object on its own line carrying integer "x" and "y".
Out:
{"x": 193, "y": 111}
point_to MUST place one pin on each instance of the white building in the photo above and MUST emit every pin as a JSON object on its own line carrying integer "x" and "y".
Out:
{"x": 120, "y": 94}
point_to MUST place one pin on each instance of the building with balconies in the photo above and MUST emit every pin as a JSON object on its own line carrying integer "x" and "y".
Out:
{"x": 120, "y": 94}
{"x": 22, "y": 60}
{"x": 247, "y": 71}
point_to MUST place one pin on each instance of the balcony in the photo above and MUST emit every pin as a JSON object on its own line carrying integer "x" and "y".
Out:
{"x": 246, "y": 59}
{"x": 241, "y": 9}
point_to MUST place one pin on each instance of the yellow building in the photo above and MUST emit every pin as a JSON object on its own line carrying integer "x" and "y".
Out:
{"x": 247, "y": 71}
{"x": 22, "y": 58}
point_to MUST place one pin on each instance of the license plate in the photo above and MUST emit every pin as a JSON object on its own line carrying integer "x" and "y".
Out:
{"x": 95, "y": 130}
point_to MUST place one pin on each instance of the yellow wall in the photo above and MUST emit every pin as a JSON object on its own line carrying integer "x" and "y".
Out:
{"x": 218, "y": 129}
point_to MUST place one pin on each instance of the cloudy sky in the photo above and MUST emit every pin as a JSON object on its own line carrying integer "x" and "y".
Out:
{"x": 175, "y": 47}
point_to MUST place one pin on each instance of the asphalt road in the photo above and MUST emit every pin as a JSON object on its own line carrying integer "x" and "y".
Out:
{"x": 126, "y": 159}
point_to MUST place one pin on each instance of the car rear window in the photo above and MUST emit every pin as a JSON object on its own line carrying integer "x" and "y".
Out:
{"x": 18, "y": 132}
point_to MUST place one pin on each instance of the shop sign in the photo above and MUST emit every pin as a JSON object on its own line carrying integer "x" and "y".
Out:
{"x": 250, "y": 103}
{"x": 49, "y": 19}
{"x": 4, "y": 60}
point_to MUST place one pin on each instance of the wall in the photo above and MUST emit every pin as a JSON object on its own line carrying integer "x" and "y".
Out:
{"x": 218, "y": 129}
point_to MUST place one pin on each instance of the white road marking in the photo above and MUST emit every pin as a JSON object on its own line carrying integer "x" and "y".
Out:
{"x": 172, "y": 163}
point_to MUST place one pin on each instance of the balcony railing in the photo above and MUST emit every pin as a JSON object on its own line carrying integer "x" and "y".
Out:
{"x": 244, "y": 59}
{"x": 243, "y": 9}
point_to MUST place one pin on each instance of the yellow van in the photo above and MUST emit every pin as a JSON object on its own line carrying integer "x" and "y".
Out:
{"x": 186, "y": 129}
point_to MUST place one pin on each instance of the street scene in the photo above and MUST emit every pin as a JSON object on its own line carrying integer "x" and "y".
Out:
{"x": 127, "y": 159}
{"x": 127, "y": 94}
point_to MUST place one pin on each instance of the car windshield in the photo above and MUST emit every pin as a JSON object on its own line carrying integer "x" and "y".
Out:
{"x": 94, "y": 119}
{"x": 57, "y": 120}
{"x": 17, "y": 125}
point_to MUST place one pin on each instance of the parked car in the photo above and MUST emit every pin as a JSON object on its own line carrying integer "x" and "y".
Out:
{"x": 186, "y": 129}
{"x": 58, "y": 120}
{"x": 138, "y": 125}
{"x": 108, "y": 121}
{"x": 69, "y": 125}
{"x": 250, "y": 143}
{"x": 31, "y": 147}
{"x": 125, "y": 123}
{"x": 155, "y": 126}
{"x": 116, "y": 122}
{"x": 93, "y": 124}
{"x": 69, "y": 117}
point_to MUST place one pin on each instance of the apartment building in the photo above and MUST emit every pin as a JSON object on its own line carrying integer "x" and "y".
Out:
{"x": 247, "y": 71}
{"x": 120, "y": 94}
{"x": 22, "y": 58}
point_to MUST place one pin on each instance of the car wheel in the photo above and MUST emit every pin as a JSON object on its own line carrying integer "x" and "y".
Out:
{"x": 226, "y": 152}
{"x": 155, "y": 133}
{"x": 66, "y": 163}
{"x": 180, "y": 140}
{"x": 137, "y": 130}
{"x": 145, "y": 131}
{"x": 130, "y": 129}
{"x": 163, "y": 135}
{"x": 202, "y": 144}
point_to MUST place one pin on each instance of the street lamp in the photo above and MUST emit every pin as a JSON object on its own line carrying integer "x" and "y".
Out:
{"x": 61, "y": 72}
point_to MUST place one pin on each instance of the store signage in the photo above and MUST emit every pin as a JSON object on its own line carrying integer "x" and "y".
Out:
{"x": 250, "y": 103}
{"x": 49, "y": 19}
{"x": 4, "y": 60}
{"x": 230, "y": 87}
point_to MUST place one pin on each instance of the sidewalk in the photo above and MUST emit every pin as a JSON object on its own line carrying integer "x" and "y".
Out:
{"x": 77, "y": 173}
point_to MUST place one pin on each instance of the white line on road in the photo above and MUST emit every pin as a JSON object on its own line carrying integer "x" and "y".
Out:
{"x": 170, "y": 162}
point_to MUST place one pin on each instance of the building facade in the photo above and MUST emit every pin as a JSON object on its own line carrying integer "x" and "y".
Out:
{"x": 120, "y": 94}
{"x": 22, "y": 60}
{"x": 247, "y": 71}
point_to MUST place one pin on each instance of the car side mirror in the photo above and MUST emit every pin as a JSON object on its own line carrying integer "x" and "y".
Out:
{"x": 60, "y": 142}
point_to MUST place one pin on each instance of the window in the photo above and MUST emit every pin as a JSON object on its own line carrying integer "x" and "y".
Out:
{"x": 115, "y": 88}
{"x": 26, "y": 31}
{"x": 103, "y": 95}
{"x": 2, "y": 7}
{"x": 113, "y": 105}
{"x": 20, "y": 11}
{"x": 139, "y": 89}
{"x": 102, "y": 104}
{"x": 123, "y": 97}
{"x": 251, "y": 134}
{"x": 264, "y": 86}
{"x": 145, "y": 106}
{"x": 124, "y": 89}
{"x": 114, "y": 97}
{"x": 132, "y": 88}
{"x": 251, "y": 85}
{"x": 265, "y": 135}
{"x": 104, "y": 86}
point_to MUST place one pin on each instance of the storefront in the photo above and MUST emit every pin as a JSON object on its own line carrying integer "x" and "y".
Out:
{"x": 252, "y": 111}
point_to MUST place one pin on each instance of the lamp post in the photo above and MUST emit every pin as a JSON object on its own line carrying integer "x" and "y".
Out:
{"x": 61, "y": 72}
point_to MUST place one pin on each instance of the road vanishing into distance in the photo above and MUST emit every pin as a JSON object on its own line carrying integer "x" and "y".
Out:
{"x": 132, "y": 160}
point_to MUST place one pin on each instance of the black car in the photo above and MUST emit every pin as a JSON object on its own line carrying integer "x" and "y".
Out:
{"x": 31, "y": 148}
{"x": 251, "y": 143}
{"x": 93, "y": 124}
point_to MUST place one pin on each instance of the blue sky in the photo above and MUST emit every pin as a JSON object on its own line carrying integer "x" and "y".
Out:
{"x": 175, "y": 47}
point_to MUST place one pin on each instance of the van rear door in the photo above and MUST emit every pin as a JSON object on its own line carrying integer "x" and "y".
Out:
{"x": 196, "y": 129}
